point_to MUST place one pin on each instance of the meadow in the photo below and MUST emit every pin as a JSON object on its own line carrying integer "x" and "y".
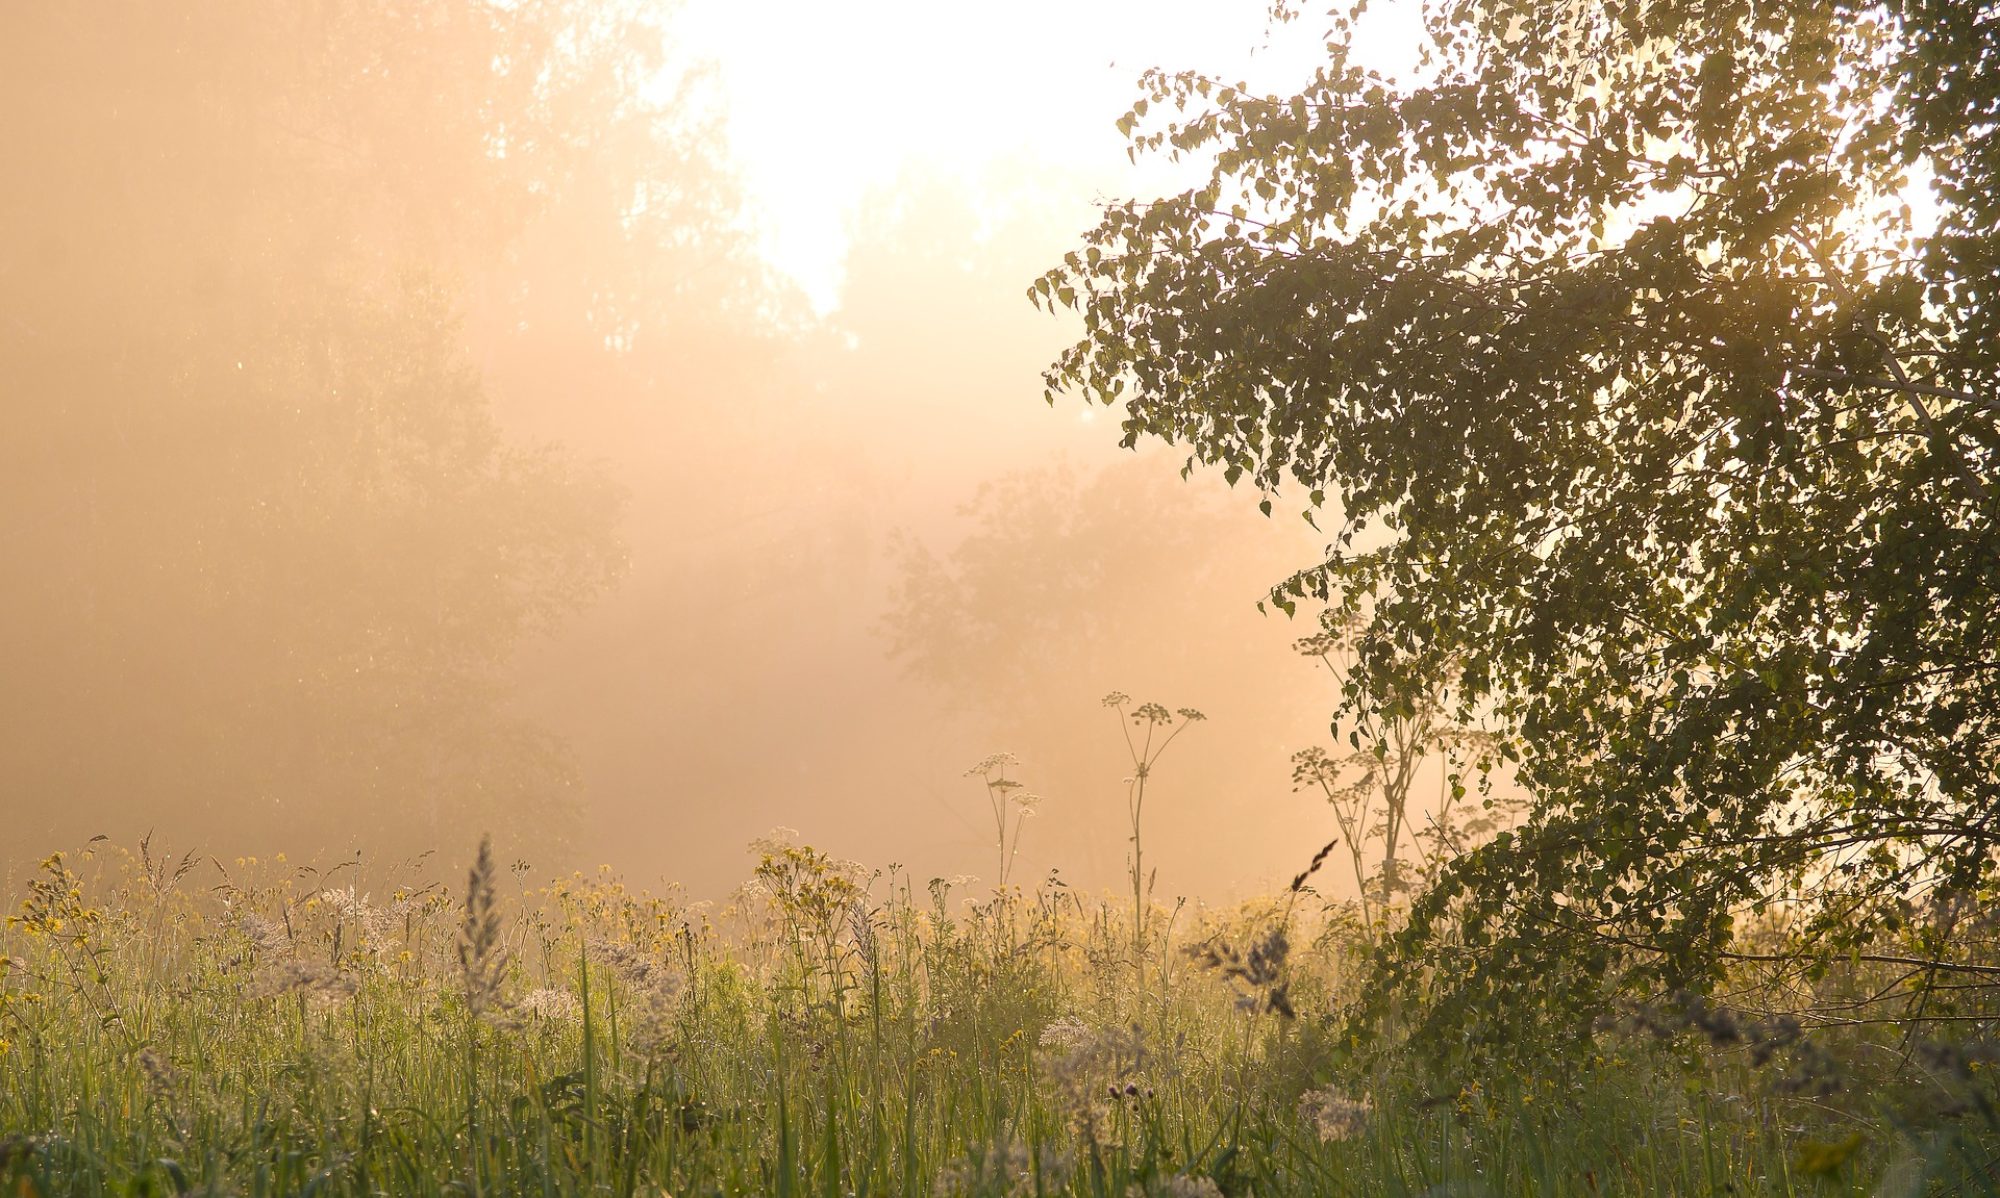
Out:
{"x": 184, "y": 1025}
{"x": 431, "y": 418}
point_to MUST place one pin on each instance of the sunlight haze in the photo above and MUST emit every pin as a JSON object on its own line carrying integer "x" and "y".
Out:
{"x": 827, "y": 103}
{"x": 802, "y": 542}
{"x": 1075, "y": 598}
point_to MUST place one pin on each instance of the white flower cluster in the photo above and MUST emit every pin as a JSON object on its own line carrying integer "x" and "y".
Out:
{"x": 651, "y": 998}
{"x": 1006, "y": 1167}
{"x": 1180, "y": 1185}
{"x": 550, "y": 1005}
{"x": 1085, "y": 1066}
{"x": 1333, "y": 1114}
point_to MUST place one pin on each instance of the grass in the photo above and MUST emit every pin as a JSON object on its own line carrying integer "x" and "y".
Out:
{"x": 259, "y": 1029}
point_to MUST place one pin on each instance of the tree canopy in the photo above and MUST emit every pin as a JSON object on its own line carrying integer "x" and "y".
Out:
{"x": 1643, "y": 359}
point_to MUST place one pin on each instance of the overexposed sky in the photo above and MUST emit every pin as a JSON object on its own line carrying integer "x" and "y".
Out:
{"x": 914, "y": 166}
{"x": 826, "y": 102}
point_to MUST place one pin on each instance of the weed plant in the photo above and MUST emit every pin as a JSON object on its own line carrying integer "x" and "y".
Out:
{"x": 255, "y": 1028}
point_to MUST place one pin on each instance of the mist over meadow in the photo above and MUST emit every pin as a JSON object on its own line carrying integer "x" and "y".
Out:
{"x": 602, "y": 597}
{"x": 410, "y": 438}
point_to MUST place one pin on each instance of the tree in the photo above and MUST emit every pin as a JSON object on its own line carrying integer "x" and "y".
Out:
{"x": 1065, "y": 577}
{"x": 1620, "y": 345}
{"x": 269, "y": 552}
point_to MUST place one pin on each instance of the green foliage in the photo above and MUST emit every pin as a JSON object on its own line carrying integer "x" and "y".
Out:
{"x": 836, "y": 1032}
{"x": 1655, "y": 420}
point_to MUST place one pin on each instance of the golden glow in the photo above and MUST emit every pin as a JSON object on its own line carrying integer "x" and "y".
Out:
{"x": 286, "y": 572}
{"x": 829, "y": 105}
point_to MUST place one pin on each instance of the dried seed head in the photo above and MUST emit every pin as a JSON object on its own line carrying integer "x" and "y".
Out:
{"x": 990, "y": 763}
{"x": 482, "y": 960}
{"x": 1334, "y": 1115}
{"x": 160, "y": 1076}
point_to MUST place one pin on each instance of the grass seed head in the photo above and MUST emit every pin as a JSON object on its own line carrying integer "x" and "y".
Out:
{"x": 482, "y": 960}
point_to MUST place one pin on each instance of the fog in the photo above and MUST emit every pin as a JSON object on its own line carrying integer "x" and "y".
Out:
{"x": 412, "y": 432}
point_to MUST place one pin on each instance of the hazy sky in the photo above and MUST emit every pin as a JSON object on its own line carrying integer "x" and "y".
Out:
{"x": 266, "y": 607}
{"x": 913, "y": 166}
{"x": 826, "y": 101}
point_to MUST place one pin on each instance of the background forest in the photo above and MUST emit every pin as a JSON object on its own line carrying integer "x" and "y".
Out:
{"x": 410, "y": 437}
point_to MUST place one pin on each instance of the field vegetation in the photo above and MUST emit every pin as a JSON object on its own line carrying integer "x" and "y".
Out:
{"x": 1640, "y": 362}
{"x": 193, "y": 1026}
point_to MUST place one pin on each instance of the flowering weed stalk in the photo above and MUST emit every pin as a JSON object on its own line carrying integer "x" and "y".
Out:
{"x": 1012, "y": 806}
{"x": 1156, "y": 723}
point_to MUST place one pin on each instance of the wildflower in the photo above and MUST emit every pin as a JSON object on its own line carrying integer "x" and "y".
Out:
{"x": 1181, "y": 1185}
{"x": 1334, "y": 1115}
{"x": 550, "y": 1005}
{"x": 1084, "y": 1066}
{"x": 264, "y": 935}
{"x": 1007, "y": 1167}
{"x": 347, "y": 905}
{"x": 991, "y": 762}
{"x": 811, "y": 890}
{"x": 652, "y": 995}
{"x": 1468, "y": 1096}
{"x": 54, "y": 908}
{"x": 1065, "y": 1034}
{"x": 775, "y": 842}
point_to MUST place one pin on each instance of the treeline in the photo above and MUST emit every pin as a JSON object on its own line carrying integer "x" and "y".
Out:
{"x": 270, "y": 546}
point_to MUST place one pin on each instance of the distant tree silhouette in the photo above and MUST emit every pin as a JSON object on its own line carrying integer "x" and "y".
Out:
{"x": 268, "y": 550}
